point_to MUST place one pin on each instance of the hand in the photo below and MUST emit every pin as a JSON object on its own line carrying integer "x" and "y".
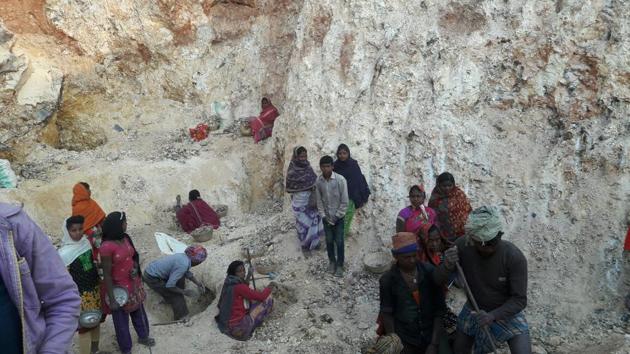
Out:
{"x": 432, "y": 349}
{"x": 483, "y": 318}
{"x": 451, "y": 257}
{"x": 331, "y": 220}
{"x": 189, "y": 292}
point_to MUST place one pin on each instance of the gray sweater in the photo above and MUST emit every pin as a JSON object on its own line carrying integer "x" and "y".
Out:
{"x": 332, "y": 196}
{"x": 498, "y": 283}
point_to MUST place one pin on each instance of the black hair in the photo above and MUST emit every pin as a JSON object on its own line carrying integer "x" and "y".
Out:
{"x": 73, "y": 220}
{"x": 194, "y": 195}
{"x": 113, "y": 226}
{"x": 84, "y": 184}
{"x": 445, "y": 177}
{"x": 343, "y": 147}
{"x": 433, "y": 228}
{"x": 234, "y": 266}
{"x": 265, "y": 99}
{"x": 326, "y": 160}
{"x": 417, "y": 189}
{"x": 300, "y": 150}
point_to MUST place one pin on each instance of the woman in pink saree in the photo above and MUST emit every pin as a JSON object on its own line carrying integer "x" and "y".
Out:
{"x": 413, "y": 217}
{"x": 262, "y": 125}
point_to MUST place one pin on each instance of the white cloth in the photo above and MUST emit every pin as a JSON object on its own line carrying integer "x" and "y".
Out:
{"x": 71, "y": 249}
{"x": 169, "y": 245}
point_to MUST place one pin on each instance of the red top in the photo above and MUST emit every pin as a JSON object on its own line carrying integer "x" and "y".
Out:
{"x": 626, "y": 245}
{"x": 122, "y": 266}
{"x": 197, "y": 213}
{"x": 242, "y": 292}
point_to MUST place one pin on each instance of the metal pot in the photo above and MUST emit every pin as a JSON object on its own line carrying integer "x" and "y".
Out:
{"x": 120, "y": 294}
{"x": 90, "y": 318}
{"x": 244, "y": 127}
{"x": 378, "y": 262}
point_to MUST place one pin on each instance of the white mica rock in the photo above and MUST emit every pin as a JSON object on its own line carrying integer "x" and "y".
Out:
{"x": 41, "y": 90}
{"x": 458, "y": 84}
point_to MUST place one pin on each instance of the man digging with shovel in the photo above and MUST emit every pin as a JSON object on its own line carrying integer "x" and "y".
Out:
{"x": 167, "y": 277}
{"x": 495, "y": 275}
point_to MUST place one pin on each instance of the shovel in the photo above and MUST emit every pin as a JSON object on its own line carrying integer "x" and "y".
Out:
{"x": 168, "y": 323}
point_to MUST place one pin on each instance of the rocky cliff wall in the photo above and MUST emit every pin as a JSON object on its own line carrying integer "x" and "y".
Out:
{"x": 526, "y": 103}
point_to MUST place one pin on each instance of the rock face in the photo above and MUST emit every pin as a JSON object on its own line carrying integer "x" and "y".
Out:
{"x": 29, "y": 92}
{"x": 526, "y": 103}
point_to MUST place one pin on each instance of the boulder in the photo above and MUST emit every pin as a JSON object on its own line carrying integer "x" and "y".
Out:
{"x": 41, "y": 91}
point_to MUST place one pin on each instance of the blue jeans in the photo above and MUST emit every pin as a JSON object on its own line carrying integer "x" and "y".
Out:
{"x": 334, "y": 236}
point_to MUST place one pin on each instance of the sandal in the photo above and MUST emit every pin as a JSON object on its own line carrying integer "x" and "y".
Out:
{"x": 148, "y": 341}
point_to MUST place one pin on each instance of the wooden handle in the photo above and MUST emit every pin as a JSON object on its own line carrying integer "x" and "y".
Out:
{"x": 470, "y": 296}
{"x": 249, "y": 260}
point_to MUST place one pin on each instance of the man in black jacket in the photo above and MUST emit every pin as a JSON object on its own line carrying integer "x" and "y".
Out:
{"x": 412, "y": 305}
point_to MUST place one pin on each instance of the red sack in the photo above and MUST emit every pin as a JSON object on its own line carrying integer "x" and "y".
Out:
{"x": 199, "y": 132}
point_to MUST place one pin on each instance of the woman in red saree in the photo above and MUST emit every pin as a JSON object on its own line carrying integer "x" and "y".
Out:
{"x": 262, "y": 125}
{"x": 452, "y": 206}
{"x": 197, "y": 213}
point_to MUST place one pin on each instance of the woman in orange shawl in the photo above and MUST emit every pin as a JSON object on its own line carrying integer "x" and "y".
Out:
{"x": 452, "y": 206}
{"x": 262, "y": 125}
{"x": 84, "y": 205}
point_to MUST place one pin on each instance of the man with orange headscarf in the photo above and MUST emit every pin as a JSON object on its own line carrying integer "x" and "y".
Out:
{"x": 84, "y": 205}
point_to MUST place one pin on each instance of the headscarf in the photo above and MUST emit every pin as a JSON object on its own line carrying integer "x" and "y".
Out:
{"x": 196, "y": 253}
{"x": 71, "y": 249}
{"x": 484, "y": 224}
{"x": 452, "y": 209}
{"x": 85, "y": 206}
{"x": 404, "y": 242}
{"x": 358, "y": 189}
{"x": 300, "y": 175}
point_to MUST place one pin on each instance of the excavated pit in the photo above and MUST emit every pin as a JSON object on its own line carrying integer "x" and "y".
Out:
{"x": 161, "y": 312}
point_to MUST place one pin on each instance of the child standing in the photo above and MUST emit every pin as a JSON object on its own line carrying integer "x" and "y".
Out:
{"x": 121, "y": 268}
{"x": 76, "y": 254}
{"x": 332, "y": 202}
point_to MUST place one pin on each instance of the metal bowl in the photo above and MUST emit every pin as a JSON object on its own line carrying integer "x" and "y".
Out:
{"x": 120, "y": 294}
{"x": 90, "y": 318}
